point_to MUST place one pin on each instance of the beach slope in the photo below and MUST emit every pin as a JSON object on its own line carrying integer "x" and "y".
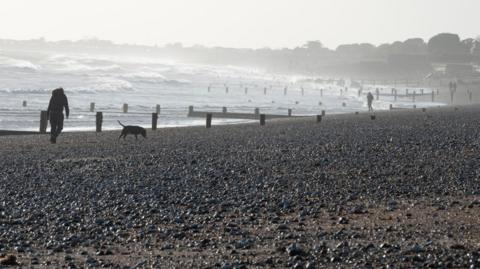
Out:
{"x": 401, "y": 190}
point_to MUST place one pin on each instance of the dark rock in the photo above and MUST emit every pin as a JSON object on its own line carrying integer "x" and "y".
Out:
{"x": 342, "y": 220}
{"x": 358, "y": 209}
{"x": 9, "y": 259}
{"x": 294, "y": 250}
{"x": 457, "y": 247}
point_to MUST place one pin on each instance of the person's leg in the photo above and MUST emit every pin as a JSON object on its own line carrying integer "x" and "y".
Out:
{"x": 53, "y": 127}
{"x": 59, "y": 124}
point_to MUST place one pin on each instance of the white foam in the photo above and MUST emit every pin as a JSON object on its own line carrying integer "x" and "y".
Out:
{"x": 18, "y": 64}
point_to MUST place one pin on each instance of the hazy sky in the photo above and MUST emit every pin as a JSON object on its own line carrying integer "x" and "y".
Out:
{"x": 238, "y": 23}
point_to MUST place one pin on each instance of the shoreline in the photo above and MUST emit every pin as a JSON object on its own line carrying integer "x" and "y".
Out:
{"x": 112, "y": 129}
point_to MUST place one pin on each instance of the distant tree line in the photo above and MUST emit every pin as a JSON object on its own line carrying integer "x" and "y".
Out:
{"x": 412, "y": 57}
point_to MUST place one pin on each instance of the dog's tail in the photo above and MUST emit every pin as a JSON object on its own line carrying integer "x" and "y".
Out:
{"x": 120, "y": 123}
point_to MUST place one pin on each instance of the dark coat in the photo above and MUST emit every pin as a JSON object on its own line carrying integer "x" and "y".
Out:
{"x": 58, "y": 101}
{"x": 369, "y": 97}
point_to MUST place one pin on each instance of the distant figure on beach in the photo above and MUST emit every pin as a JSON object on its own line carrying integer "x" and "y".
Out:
{"x": 58, "y": 102}
{"x": 369, "y": 101}
{"x": 453, "y": 88}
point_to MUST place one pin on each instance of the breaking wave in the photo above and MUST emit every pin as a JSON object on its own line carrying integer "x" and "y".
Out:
{"x": 7, "y": 62}
{"x": 100, "y": 85}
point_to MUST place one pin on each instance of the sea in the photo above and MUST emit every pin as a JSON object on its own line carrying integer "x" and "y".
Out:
{"x": 110, "y": 81}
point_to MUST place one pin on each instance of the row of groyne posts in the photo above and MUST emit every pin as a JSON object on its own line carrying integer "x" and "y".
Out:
{"x": 98, "y": 117}
{"x": 413, "y": 94}
{"x": 191, "y": 113}
{"x": 261, "y": 117}
{"x": 394, "y": 92}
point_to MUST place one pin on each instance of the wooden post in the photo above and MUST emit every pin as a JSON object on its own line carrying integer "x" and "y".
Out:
{"x": 421, "y": 91}
{"x": 289, "y": 112}
{"x": 424, "y": 109}
{"x": 99, "y": 121}
{"x": 395, "y": 95}
{"x": 321, "y": 92}
{"x": 414, "y": 106}
{"x": 246, "y": 90}
{"x": 209, "y": 120}
{"x": 406, "y": 92}
{"x": 43, "y": 122}
{"x": 262, "y": 119}
{"x": 154, "y": 121}
{"x": 190, "y": 110}
{"x": 319, "y": 118}
{"x": 125, "y": 108}
{"x": 92, "y": 107}
{"x": 391, "y": 107}
{"x": 157, "y": 109}
{"x": 257, "y": 111}
{"x": 433, "y": 96}
{"x": 24, "y": 103}
{"x": 413, "y": 98}
{"x": 323, "y": 113}
{"x": 378, "y": 93}
{"x": 303, "y": 91}
{"x": 372, "y": 117}
{"x": 285, "y": 91}
{"x": 344, "y": 104}
{"x": 226, "y": 89}
{"x": 265, "y": 91}
{"x": 224, "y": 110}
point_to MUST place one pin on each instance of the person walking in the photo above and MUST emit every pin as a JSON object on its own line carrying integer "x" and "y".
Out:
{"x": 369, "y": 101}
{"x": 57, "y": 103}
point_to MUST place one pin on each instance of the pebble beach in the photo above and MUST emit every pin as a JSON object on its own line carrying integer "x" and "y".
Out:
{"x": 400, "y": 191}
